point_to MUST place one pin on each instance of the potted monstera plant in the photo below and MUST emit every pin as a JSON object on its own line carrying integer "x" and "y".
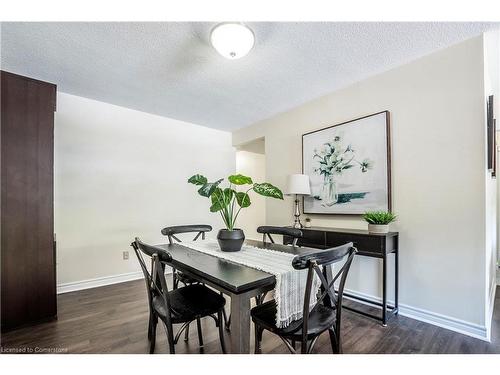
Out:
{"x": 229, "y": 201}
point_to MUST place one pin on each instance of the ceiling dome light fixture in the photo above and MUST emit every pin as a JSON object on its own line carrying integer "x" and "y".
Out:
{"x": 232, "y": 40}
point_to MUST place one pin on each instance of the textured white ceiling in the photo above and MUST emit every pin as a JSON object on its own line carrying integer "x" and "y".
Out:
{"x": 170, "y": 69}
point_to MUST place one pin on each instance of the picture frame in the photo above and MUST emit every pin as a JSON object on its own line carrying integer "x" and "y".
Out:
{"x": 491, "y": 135}
{"x": 349, "y": 166}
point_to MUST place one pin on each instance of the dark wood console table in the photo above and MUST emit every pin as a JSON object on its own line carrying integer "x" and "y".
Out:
{"x": 368, "y": 244}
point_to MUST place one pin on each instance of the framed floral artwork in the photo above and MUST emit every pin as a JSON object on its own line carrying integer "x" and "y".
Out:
{"x": 349, "y": 166}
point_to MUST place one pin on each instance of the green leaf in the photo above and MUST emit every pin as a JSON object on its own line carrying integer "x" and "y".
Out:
{"x": 228, "y": 194}
{"x": 268, "y": 190}
{"x": 197, "y": 179}
{"x": 243, "y": 199}
{"x": 379, "y": 217}
{"x": 239, "y": 179}
{"x": 215, "y": 207}
{"x": 221, "y": 199}
{"x": 207, "y": 189}
{"x": 216, "y": 198}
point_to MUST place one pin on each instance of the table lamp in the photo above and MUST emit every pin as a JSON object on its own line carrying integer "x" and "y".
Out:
{"x": 297, "y": 184}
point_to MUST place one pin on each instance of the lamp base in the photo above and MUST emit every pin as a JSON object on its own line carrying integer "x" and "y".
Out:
{"x": 297, "y": 224}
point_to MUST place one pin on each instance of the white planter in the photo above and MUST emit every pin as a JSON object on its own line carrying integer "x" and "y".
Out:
{"x": 378, "y": 228}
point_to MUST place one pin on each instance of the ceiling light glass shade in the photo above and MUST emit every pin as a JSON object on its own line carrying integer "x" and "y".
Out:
{"x": 232, "y": 40}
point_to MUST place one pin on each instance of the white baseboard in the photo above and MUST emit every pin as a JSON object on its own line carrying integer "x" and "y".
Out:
{"x": 97, "y": 282}
{"x": 440, "y": 320}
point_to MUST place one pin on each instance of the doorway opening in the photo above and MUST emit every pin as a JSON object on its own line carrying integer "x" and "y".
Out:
{"x": 251, "y": 161}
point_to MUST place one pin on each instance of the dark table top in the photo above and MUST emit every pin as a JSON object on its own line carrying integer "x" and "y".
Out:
{"x": 233, "y": 277}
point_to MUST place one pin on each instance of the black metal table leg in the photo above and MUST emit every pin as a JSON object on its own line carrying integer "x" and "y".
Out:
{"x": 384, "y": 290}
{"x": 396, "y": 282}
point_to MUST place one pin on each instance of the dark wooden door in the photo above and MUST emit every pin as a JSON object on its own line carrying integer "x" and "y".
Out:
{"x": 28, "y": 288}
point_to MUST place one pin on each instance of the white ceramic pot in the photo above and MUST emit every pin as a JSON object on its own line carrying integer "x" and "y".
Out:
{"x": 378, "y": 228}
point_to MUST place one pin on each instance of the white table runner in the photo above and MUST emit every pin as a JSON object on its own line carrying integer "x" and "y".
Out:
{"x": 290, "y": 283}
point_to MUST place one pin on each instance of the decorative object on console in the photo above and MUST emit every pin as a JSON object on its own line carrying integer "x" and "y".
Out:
{"x": 349, "y": 166}
{"x": 225, "y": 201}
{"x": 378, "y": 221}
{"x": 298, "y": 185}
{"x": 308, "y": 223}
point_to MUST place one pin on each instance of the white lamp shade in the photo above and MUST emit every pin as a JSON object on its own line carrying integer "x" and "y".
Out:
{"x": 298, "y": 184}
{"x": 232, "y": 40}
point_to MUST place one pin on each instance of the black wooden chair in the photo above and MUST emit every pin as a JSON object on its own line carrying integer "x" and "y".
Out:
{"x": 325, "y": 315}
{"x": 266, "y": 231}
{"x": 179, "y": 306}
{"x": 178, "y": 276}
{"x": 171, "y": 233}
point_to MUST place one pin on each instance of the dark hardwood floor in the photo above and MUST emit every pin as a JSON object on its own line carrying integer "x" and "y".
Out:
{"x": 113, "y": 319}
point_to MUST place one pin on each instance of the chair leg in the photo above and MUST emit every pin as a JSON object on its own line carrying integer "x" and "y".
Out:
{"x": 339, "y": 343}
{"x": 258, "y": 339}
{"x": 179, "y": 332}
{"x": 221, "y": 332}
{"x": 150, "y": 325}
{"x": 200, "y": 333}
{"x": 293, "y": 343}
{"x": 303, "y": 346}
{"x": 170, "y": 337}
{"x": 186, "y": 333}
{"x": 227, "y": 322}
{"x": 333, "y": 341}
{"x": 152, "y": 341}
{"x": 311, "y": 345}
{"x": 175, "y": 281}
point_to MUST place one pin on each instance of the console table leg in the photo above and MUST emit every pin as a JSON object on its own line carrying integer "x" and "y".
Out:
{"x": 396, "y": 281}
{"x": 384, "y": 290}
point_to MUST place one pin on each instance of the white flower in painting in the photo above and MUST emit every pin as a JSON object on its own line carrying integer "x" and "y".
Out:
{"x": 333, "y": 158}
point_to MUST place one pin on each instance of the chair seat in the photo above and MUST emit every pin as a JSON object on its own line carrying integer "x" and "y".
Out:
{"x": 320, "y": 320}
{"x": 190, "y": 302}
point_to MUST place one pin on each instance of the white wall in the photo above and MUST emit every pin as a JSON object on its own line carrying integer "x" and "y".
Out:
{"x": 254, "y": 165}
{"x": 491, "y": 87}
{"x": 438, "y": 178}
{"x": 121, "y": 173}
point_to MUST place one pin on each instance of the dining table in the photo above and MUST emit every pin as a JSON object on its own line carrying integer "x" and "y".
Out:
{"x": 241, "y": 283}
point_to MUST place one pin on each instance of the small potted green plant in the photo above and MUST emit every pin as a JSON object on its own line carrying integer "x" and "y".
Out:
{"x": 229, "y": 202}
{"x": 378, "y": 221}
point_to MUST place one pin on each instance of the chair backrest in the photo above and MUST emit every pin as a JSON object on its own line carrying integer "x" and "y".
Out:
{"x": 156, "y": 284}
{"x": 171, "y": 232}
{"x": 267, "y": 230}
{"x": 316, "y": 263}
